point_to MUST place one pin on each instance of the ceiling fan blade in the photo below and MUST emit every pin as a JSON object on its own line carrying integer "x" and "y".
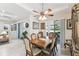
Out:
{"x": 49, "y": 9}
{"x": 36, "y": 15}
{"x": 50, "y": 15}
{"x": 35, "y": 11}
{"x": 49, "y": 12}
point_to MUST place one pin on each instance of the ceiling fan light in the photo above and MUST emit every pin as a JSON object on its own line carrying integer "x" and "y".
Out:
{"x": 42, "y": 18}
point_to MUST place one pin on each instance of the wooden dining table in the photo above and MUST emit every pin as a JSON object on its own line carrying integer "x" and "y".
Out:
{"x": 41, "y": 42}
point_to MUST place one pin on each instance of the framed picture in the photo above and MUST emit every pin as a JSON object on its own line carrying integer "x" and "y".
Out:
{"x": 13, "y": 27}
{"x": 35, "y": 25}
{"x": 42, "y": 26}
{"x": 69, "y": 24}
{"x": 26, "y": 25}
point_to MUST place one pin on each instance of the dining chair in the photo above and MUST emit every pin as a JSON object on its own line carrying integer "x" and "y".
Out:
{"x": 33, "y": 36}
{"x": 30, "y": 51}
{"x": 49, "y": 49}
{"x": 40, "y": 35}
{"x": 68, "y": 45}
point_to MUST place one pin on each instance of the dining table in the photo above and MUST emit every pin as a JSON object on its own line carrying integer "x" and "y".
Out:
{"x": 41, "y": 42}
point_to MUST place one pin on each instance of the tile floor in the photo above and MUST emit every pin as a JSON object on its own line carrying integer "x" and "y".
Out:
{"x": 13, "y": 48}
{"x": 65, "y": 52}
{"x": 16, "y": 48}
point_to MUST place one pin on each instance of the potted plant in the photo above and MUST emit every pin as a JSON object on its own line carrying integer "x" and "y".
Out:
{"x": 24, "y": 34}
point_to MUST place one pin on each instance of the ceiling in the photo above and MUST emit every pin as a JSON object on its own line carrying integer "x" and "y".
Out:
{"x": 23, "y": 10}
{"x": 54, "y": 6}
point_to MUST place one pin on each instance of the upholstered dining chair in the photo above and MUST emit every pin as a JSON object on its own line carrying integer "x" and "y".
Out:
{"x": 49, "y": 50}
{"x": 30, "y": 51}
{"x": 33, "y": 36}
{"x": 40, "y": 34}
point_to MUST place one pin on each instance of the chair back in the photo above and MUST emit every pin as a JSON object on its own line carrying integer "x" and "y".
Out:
{"x": 51, "y": 35}
{"x": 53, "y": 41}
{"x": 40, "y": 35}
{"x": 28, "y": 46}
{"x": 33, "y": 36}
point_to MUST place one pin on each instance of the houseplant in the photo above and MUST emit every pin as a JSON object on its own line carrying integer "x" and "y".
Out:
{"x": 24, "y": 34}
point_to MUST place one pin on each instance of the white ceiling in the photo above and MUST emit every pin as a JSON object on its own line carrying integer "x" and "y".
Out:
{"x": 24, "y": 10}
{"x": 14, "y": 10}
{"x": 54, "y": 6}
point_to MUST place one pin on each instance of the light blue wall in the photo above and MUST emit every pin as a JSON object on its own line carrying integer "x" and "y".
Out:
{"x": 62, "y": 32}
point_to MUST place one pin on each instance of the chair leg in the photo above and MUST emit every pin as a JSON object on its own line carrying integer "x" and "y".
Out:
{"x": 53, "y": 52}
{"x": 26, "y": 53}
{"x": 56, "y": 49}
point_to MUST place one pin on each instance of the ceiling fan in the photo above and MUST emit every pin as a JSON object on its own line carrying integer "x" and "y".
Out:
{"x": 43, "y": 13}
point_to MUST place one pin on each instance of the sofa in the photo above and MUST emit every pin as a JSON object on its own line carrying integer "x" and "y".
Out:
{"x": 4, "y": 37}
